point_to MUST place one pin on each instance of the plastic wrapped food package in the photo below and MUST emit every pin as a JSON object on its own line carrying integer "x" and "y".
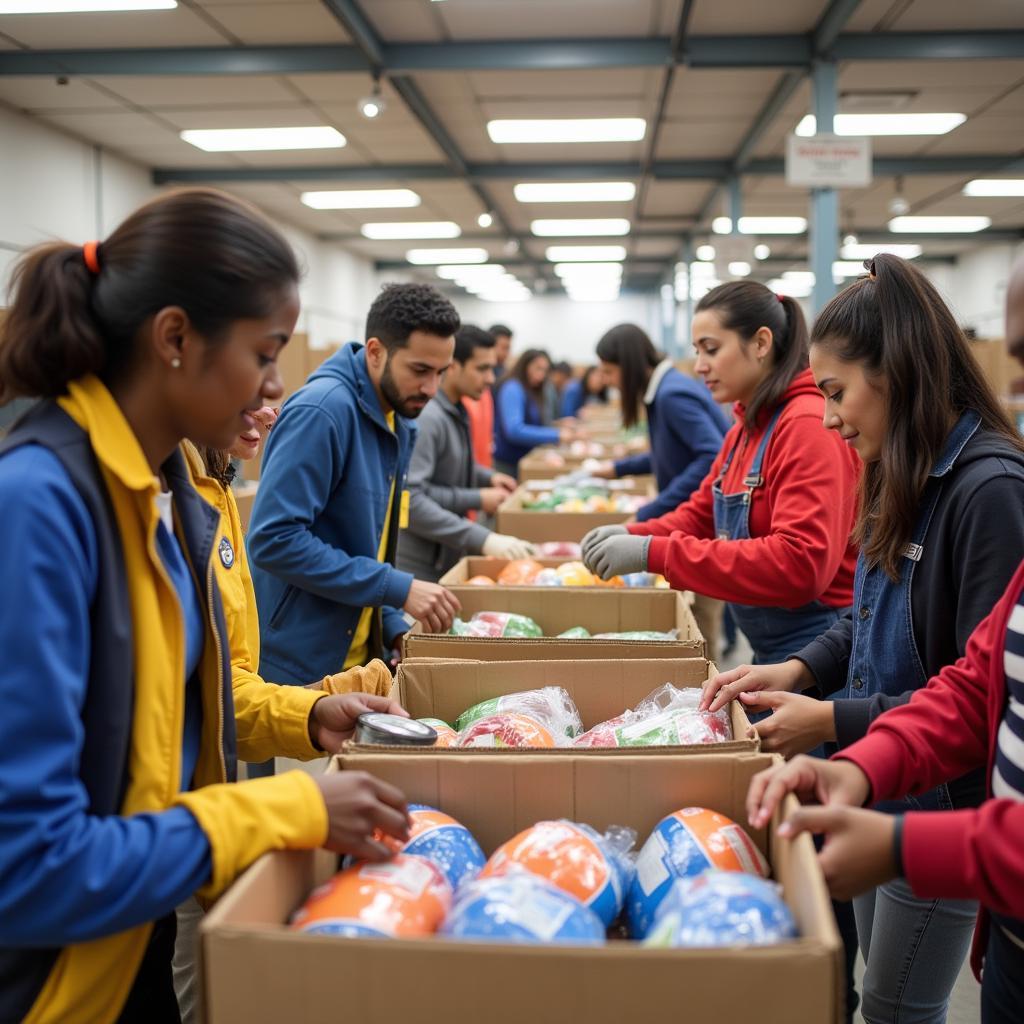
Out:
{"x": 722, "y": 908}
{"x": 403, "y": 898}
{"x": 559, "y": 549}
{"x": 509, "y": 729}
{"x": 440, "y": 839}
{"x": 575, "y": 633}
{"x": 521, "y": 907}
{"x": 645, "y": 579}
{"x": 640, "y": 634}
{"x": 519, "y": 572}
{"x": 591, "y": 867}
{"x": 446, "y": 735}
{"x": 551, "y": 706}
{"x": 496, "y": 624}
{"x": 683, "y": 844}
{"x": 480, "y": 581}
{"x": 583, "y": 496}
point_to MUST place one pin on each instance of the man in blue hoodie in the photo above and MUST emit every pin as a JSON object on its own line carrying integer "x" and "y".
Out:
{"x": 332, "y": 497}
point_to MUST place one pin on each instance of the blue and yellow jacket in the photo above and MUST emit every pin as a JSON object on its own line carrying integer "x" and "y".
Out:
{"x": 96, "y": 838}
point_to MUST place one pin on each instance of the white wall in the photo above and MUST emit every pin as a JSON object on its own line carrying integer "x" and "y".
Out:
{"x": 568, "y": 330}
{"x": 55, "y": 186}
{"x": 976, "y": 287}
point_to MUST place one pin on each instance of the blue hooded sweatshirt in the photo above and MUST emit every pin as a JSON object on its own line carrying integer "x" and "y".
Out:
{"x": 317, "y": 521}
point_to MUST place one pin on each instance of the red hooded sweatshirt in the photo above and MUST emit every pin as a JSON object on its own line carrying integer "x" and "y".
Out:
{"x": 800, "y": 519}
{"x": 949, "y": 727}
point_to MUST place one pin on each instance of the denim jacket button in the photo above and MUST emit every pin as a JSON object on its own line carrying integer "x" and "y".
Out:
{"x": 858, "y": 683}
{"x": 865, "y": 611}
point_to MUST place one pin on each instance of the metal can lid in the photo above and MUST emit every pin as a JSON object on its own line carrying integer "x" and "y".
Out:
{"x": 393, "y": 730}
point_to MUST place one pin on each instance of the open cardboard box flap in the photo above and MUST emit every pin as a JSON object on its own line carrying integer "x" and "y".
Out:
{"x": 256, "y": 971}
{"x": 600, "y": 689}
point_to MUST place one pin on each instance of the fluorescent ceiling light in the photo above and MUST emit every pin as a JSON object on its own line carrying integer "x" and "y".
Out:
{"x": 702, "y": 269}
{"x": 995, "y": 187}
{"x": 705, "y": 252}
{"x": 799, "y": 276}
{"x": 848, "y": 268}
{"x": 251, "y": 140}
{"x": 886, "y": 124}
{"x": 456, "y": 272}
{"x": 569, "y": 269}
{"x": 761, "y": 252}
{"x": 82, "y": 6}
{"x": 599, "y": 227}
{"x": 412, "y": 229}
{"x": 864, "y": 251}
{"x": 795, "y": 289}
{"x": 585, "y": 253}
{"x": 740, "y": 268}
{"x": 915, "y": 225}
{"x": 602, "y": 295}
{"x": 564, "y": 129}
{"x": 761, "y": 225}
{"x": 362, "y": 199}
{"x": 575, "y": 192}
{"x": 429, "y": 257}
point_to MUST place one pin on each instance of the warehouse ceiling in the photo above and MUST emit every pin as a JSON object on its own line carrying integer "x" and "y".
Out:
{"x": 720, "y": 83}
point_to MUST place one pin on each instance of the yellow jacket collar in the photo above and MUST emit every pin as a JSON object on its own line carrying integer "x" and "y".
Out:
{"x": 93, "y": 408}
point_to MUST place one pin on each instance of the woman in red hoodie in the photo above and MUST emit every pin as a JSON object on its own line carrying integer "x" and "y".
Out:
{"x": 769, "y": 528}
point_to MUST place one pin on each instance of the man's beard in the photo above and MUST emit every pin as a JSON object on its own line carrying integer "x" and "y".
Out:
{"x": 409, "y": 408}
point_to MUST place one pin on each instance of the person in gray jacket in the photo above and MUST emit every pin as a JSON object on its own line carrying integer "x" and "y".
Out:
{"x": 444, "y": 481}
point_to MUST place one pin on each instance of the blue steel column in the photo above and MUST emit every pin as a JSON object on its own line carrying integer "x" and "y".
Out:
{"x": 687, "y": 345}
{"x": 735, "y": 203}
{"x": 824, "y": 232}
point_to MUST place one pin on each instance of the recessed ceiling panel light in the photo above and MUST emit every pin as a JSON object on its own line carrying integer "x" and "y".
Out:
{"x": 251, "y": 140}
{"x": 561, "y": 130}
{"x": 795, "y": 289}
{"x": 456, "y": 272}
{"x": 886, "y": 124}
{"x": 929, "y": 225}
{"x": 739, "y": 268}
{"x": 599, "y": 227}
{"x": 412, "y": 229}
{"x": 431, "y": 257}
{"x": 585, "y": 253}
{"x": 82, "y": 6}
{"x": 722, "y": 225}
{"x": 575, "y": 192}
{"x": 848, "y": 268}
{"x": 361, "y": 199}
{"x": 995, "y": 187}
{"x": 865, "y": 251}
{"x": 705, "y": 253}
{"x": 799, "y": 276}
{"x": 590, "y": 270}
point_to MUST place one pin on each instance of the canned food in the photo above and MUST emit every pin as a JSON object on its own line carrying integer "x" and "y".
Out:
{"x": 393, "y": 731}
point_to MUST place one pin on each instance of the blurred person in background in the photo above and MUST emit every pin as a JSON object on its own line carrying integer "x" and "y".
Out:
{"x": 502, "y": 352}
{"x": 590, "y": 389}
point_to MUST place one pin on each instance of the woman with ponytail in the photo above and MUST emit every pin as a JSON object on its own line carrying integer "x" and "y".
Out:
{"x": 768, "y": 529}
{"x": 941, "y": 529}
{"x": 119, "y": 734}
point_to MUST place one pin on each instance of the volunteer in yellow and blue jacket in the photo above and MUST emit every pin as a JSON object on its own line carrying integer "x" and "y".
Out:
{"x": 332, "y": 497}
{"x": 118, "y": 731}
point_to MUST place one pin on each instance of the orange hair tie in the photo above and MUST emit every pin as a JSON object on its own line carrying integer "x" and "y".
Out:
{"x": 90, "y": 253}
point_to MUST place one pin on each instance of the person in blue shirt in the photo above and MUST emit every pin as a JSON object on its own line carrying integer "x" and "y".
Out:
{"x": 520, "y": 422}
{"x": 590, "y": 389}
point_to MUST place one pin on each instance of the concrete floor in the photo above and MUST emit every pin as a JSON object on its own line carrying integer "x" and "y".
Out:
{"x": 964, "y": 1004}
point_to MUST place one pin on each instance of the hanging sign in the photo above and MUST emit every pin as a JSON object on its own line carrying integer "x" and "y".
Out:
{"x": 828, "y": 161}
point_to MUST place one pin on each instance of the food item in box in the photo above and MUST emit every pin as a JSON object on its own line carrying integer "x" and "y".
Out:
{"x": 559, "y": 549}
{"x": 519, "y": 572}
{"x": 640, "y": 634}
{"x": 403, "y": 898}
{"x": 546, "y": 578}
{"x": 446, "y": 735}
{"x": 520, "y": 907}
{"x": 440, "y": 839}
{"x": 551, "y": 706}
{"x": 644, "y": 579}
{"x": 722, "y": 908}
{"x": 676, "y": 727}
{"x": 575, "y": 574}
{"x": 506, "y": 730}
{"x": 591, "y": 867}
{"x": 496, "y": 624}
{"x": 480, "y": 581}
{"x": 685, "y": 843}
{"x": 575, "y": 633}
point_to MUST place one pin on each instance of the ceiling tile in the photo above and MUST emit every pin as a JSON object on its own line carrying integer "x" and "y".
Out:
{"x": 178, "y": 27}
{"x": 280, "y": 23}
{"x": 36, "y": 93}
{"x": 542, "y": 19}
{"x": 181, "y": 91}
{"x": 122, "y": 129}
{"x": 748, "y": 17}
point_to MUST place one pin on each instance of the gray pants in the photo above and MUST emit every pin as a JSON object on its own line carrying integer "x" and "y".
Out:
{"x": 185, "y": 966}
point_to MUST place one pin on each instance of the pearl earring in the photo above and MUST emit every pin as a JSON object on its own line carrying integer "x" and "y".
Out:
{"x": 176, "y": 363}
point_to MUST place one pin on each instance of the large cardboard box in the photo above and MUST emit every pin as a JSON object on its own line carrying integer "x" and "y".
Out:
{"x": 1001, "y": 370}
{"x": 256, "y": 971}
{"x": 476, "y": 565}
{"x": 539, "y": 526}
{"x": 599, "y": 609}
{"x": 245, "y": 497}
{"x": 600, "y": 689}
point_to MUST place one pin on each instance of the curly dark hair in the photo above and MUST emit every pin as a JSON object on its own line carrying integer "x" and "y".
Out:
{"x": 401, "y": 309}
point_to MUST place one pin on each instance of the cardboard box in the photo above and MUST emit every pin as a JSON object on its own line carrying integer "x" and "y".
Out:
{"x": 538, "y": 526}
{"x": 1002, "y": 371}
{"x": 245, "y": 496}
{"x": 473, "y": 565}
{"x": 256, "y": 971}
{"x": 601, "y": 610}
{"x": 600, "y": 689}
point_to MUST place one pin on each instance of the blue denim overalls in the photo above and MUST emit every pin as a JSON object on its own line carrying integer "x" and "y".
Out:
{"x": 774, "y": 633}
{"x": 884, "y": 656}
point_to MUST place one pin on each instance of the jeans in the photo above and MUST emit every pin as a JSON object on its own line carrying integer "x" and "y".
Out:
{"x": 1002, "y": 980}
{"x": 913, "y": 951}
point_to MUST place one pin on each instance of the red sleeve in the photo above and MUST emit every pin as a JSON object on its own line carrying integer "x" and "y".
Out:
{"x": 811, "y": 486}
{"x": 971, "y": 854}
{"x": 696, "y": 516}
{"x": 942, "y": 733}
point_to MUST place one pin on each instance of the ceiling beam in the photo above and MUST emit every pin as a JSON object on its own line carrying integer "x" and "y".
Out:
{"x": 780, "y": 51}
{"x": 664, "y": 170}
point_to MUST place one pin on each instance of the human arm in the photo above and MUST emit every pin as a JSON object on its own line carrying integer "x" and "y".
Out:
{"x": 510, "y": 406}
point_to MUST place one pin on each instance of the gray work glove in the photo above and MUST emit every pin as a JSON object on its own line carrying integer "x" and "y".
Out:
{"x": 598, "y": 534}
{"x": 617, "y": 555}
